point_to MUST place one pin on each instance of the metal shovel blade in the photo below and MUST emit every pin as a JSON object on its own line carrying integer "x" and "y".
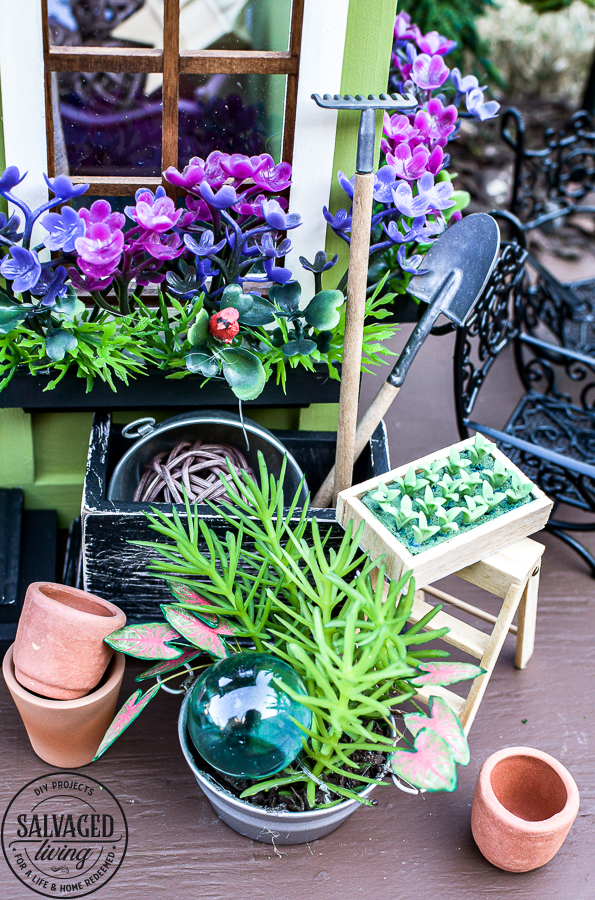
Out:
{"x": 459, "y": 265}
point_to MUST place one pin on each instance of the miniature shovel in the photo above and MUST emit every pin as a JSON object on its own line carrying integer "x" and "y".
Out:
{"x": 458, "y": 266}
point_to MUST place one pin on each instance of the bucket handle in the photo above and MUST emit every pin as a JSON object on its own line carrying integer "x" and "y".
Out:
{"x": 143, "y": 426}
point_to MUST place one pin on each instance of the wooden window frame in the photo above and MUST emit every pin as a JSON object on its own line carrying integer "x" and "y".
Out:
{"x": 171, "y": 63}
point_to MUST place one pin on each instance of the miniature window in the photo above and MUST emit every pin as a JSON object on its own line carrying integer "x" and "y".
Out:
{"x": 135, "y": 86}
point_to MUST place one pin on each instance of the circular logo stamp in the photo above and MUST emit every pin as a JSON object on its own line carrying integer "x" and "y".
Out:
{"x": 64, "y": 835}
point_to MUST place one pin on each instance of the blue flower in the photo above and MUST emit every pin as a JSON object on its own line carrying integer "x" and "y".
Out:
{"x": 429, "y": 196}
{"x": 10, "y": 178}
{"x": 50, "y": 286}
{"x": 22, "y": 267}
{"x": 63, "y": 229}
{"x": 341, "y": 221}
{"x": 464, "y": 84}
{"x": 274, "y": 215}
{"x": 420, "y": 231}
{"x": 477, "y": 107}
{"x": 276, "y": 273}
{"x": 10, "y": 228}
{"x": 204, "y": 270}
{"x": 346, "y": 184}
{"x": 269, "y": 250}
{"x": 384, "y": 182}
{"x": 205, "y": 246}
{"x": 63, "y": 187}
{"x": 223, "y": 199}
{"x": 410, "y": 265}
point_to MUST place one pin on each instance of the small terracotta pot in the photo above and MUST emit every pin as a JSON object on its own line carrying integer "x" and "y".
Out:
{"x": 67, "y": 733}
{"x": 59, "y": 651}
{"x": 524, "y": 804}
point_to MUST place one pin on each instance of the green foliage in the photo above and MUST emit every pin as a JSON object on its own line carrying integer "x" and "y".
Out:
{"x": 410, "y": 483}
{"x": 498, "y": 475}
{"x": 430, "y": 505}
{"x": 422, "y": 531}
{"x": 402, "y": 513}
{"x": 480, "y": 449}
{"x": 519, "y": 489}
{"x": 475, "y": 510}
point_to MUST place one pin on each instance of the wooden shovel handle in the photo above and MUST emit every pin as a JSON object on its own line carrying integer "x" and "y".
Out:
{"x": 366, "y": 428}
{"x": 357, "y": 282}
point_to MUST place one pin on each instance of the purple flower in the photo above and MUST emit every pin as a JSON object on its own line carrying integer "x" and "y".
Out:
{"x": 214, "y": 172}
{"x": 9, "y": 228}
{"x": 269, "y": 250}
{"x": 433, "y": 43}
{"x": 205, "y": 270}
{"x": 399, "y": 128}
{"x": 63, "y": 187}
{"x": 273, "y": 178}
{"x": 154, "y": 213}
{"x": 276, "y": 273}
{"x": 439, "y": 121}
{"x": 22, "y": 268}
{"x": 411, "y": 165}
{"x": 420, "y": 231}
{"x": 465, "y": 84}
{"x": 384, "y": 182}
{"x": 192, "y": 175}
{"x": 63, "y": 229}
{"x": 224, "y": 198}
{"x": 405, "y": 30}
{"x": 101, "y": 213}
{"x": 88, "y": 282}
{"x": 429, "y": 196}
{"x": 100, "y": 250}
{"x": 479, "y": 109}
{"x": 253, "y": 206}
{"x": 50, "y": 286}
{"x": 10, "y": 178}
{"x": 205, "y": 246}
{"x": 429, "y": 72}
{"x": 346, "y": 183}
{"x": 410, "y": 265}
{"x": 162, "y": 246}
{"x": 339, "y": 222}
{"x": 241, "y": 167}
{"x": 274, "y": 216}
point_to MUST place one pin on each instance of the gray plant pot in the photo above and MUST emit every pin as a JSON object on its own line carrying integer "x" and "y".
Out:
{"x": 266, "y": 825}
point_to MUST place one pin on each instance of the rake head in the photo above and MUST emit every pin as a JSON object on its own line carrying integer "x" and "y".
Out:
{"x": 382, "y": 101}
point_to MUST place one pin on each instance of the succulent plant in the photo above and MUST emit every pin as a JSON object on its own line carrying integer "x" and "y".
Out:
{"x": 422, "y": 531}
{"x": 455, "y": 462}
{"x": 519, "y": 489}
{"x": 490, "y": 497}
{"x": 432, "y": 472}
{"x": 430, "y": 504}
{"x": 498, "y": 475}
{"x": 446, "y": 519}
{"x": 384, "y": 495}
{"x": 410, "y": 483}
{"x": 480, "y": 449}
{"x": 449, "y": 488}
{"x": 403, "y": 513}
{"x": 476, "y": 508}
{"x": 467, "y": 483}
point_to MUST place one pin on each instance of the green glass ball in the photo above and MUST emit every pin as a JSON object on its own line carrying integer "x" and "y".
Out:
{"x": 239, "y": 720}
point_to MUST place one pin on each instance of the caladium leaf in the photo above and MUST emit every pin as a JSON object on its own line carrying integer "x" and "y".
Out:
{"x": 194, "y": 630}
{"x": 133, "y": 706}
{"x": 146, "y": 641}
{"x": 445, "y": 723}
{"x": 429, "y": 766}
{"x": 442, "y": 673}
{"x": 188, "y": 597}
{"x": 168, "y": 665}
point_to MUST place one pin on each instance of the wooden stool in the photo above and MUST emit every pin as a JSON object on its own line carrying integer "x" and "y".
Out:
{"x": 513, "y": 575}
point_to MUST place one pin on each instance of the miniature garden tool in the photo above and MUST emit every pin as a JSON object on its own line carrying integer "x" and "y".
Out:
{"x": 458, "y": 266}
{"x": 357, "y": 282}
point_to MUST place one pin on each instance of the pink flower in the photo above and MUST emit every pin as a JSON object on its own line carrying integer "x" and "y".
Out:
{"x": 199, "y": 209}
{"x": 101, "y": 212}
{"x": 404, "y": 30}
{"x": 190, "y": 177}
{"x": 433, "y": 43}
{"x": 253, "y": 207}
{"x": 224, "y": 325}
{"x": 88, "y": 282}
{"x": 429, "y": 72}
{"x": 100, "y": 250}
{"x": 158, "y": 215}
{"x": 215, "y": 174}
{"x": 399, "y": 129}
{"x": 273, "y": 178}
{"x": 161, "y": 246}
{"x": 441, "y": 121}
{"x": 409, "y": 164}
{"x": 241, "y": 167}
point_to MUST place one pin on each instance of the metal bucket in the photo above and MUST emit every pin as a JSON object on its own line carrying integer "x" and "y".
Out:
{"x": 266, "y": 825}
{"x": 214, "y": 426}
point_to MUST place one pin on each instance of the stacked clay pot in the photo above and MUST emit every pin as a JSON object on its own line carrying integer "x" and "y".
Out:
{"x": 62, "y": 675}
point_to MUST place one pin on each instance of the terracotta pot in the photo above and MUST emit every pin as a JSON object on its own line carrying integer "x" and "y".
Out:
{"x": 524, "y": 804}
{"x": 59, "y": 651}
{"x": 67, "y": 733}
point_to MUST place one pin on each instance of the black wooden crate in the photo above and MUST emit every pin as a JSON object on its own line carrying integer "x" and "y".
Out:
{"x": 115, "y": 569}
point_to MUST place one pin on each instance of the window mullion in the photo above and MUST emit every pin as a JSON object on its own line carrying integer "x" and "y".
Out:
{"x": 171, "y": 83}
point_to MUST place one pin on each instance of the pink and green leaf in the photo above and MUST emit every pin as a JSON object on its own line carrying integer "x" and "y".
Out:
{"x": 195, "y": 630}
{"x": 188, "y": 598}
{"x": 429, "y": 766}
{"x": 168, "y": 665}
{"x": 148, "y": 641}
{"x": 131, "y": 709}
{"x": 445, "y": 723}
{"x": 442, "y": 673}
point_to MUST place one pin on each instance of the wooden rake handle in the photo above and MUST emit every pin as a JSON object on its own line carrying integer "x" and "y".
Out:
{"x": 366, "y": 428}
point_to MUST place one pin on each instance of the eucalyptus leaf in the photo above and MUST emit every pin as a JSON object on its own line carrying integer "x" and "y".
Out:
{"x": 322, "y": 312}
{"x": 302, "y": 347}
{"x": 234, "y": 296}
{"x": 244, "y": 373}
{"x": 70, "y": 305}
{"x": 58, "y": 343}
{"x": 286, "y": 296}
{"x": 203, "y": 363}
{"x": 261, "y": 312}
{"x": 199, "y": 331}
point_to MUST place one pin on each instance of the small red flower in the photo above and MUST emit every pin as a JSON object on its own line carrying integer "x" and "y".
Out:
{"x": 224, "y": 325}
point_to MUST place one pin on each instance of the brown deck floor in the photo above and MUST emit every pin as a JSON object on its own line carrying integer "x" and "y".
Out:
{"x": 408, "y": 847}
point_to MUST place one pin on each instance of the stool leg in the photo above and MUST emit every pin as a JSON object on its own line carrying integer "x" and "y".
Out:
{"x": 527, "y": 620}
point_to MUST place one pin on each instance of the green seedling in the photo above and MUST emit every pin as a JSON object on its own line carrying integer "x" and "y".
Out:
{"x": 519, "y": 489}
{"x": 446, "y": 519}
{"x": 455, "y": 462}
{"x": 422, "y": 531}
{"x": 430, "y": 504}
{"x": 384, "y": 496}
{"x": 480, "y": 449}
{"x": 403, "y": 513}
{"x": 491, "y": 498}
{"x": 449, "y": 488}
{"x": 467, "y": 483}
{"x": 411, "y": 483}
{"x": 476, "y": 508}
{"x": 433, "y": 472}
{"x": 498, "y": 475}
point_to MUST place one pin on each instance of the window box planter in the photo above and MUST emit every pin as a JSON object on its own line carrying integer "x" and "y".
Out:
{"x": 457, "y": 551}
{"x": 116, "y": 570}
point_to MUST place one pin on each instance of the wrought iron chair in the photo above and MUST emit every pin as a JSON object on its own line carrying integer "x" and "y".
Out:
{"x": 548, "y": 184}
{"x": 550, "y": 434}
